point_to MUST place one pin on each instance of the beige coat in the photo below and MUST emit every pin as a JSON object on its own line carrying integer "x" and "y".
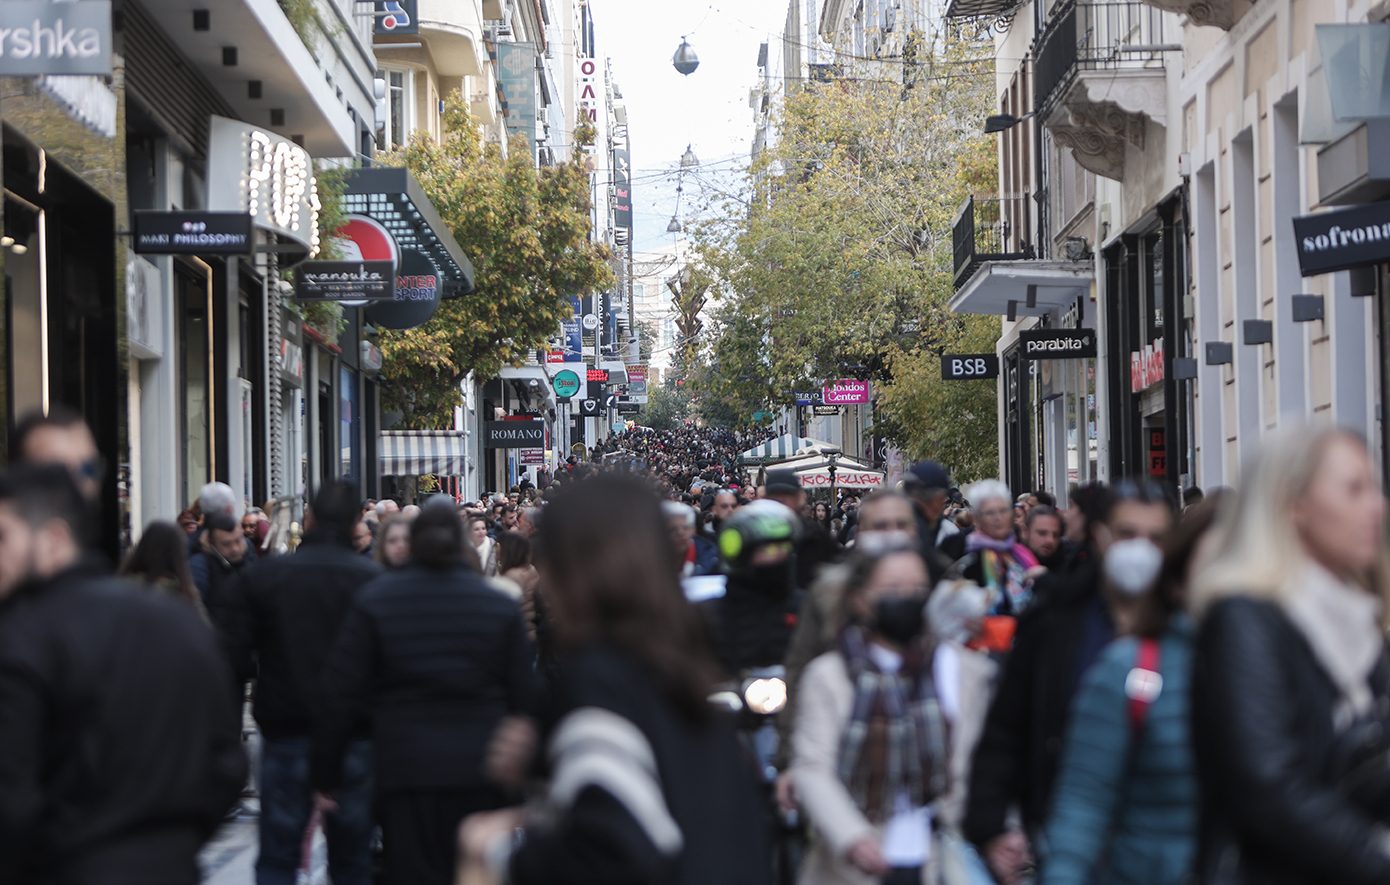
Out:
{"x": 826, "y": 698}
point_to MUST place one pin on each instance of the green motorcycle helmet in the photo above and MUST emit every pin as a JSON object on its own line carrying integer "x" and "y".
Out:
{"x": 752, "y": 528}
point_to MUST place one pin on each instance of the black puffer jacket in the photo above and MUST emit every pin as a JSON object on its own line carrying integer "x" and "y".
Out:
{"x": 1278, "y": 806}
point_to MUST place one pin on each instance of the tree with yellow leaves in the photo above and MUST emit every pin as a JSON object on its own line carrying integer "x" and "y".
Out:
{"x": 526, "y": 232}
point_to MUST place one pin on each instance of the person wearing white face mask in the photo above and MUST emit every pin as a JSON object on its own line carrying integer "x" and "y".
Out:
{"x": 1019, "y": 752}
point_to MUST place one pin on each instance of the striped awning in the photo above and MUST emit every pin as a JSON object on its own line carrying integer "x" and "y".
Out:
{"x": 423, "y": 452}
{"x": 788, "y": 446}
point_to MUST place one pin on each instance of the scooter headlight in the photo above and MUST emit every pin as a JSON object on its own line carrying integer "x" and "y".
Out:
{"x": 766, "y": 696}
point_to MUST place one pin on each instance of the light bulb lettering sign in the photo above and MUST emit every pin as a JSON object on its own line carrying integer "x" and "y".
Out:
{"x": 268, "y": 177}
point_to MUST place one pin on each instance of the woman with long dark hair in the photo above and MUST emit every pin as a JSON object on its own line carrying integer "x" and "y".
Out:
{"x": 435, "y": 660}
{"x": 648, "y": 784}
{"x": 160, "y": 562}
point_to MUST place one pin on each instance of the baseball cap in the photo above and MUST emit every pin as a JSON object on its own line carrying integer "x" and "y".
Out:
{"x": 928, "y": 474}
{"x": 782, "y": 481}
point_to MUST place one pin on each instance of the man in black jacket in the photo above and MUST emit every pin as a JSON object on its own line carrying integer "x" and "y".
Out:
{"x": 120, "y": 749}
{"x": 436, "y": 659}
{"x": 287, "y": 616}
{"x": 1058, "y": 638}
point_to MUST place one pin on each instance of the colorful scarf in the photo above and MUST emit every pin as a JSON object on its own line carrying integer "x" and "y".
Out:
{"x": 1004, "y": 563}
{"x": 896, "y": 737}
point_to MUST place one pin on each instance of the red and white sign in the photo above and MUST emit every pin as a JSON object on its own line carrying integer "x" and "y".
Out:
{"x": 1146, "y": 367}
{"x": 845, "y": 393}
{"x": 844, "y": 479}
{"x": 554, "y": 356}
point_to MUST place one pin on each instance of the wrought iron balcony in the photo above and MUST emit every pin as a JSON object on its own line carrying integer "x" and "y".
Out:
{"x": 1100, "y": 78}
{"x": 989, "y": 230}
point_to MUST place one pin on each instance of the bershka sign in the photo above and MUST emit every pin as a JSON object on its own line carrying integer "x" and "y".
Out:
{"x": 1058, "y": 344}
{"x": 1343, "y": 239}
{"x": 1146, "y": 367}
{"x": 514, "y": 434}
{"x": 845, "y": 393}
{"x": 345, "y": 281}
{"x": 38, "y": 37}
{"x": 192, "y": 233}
{"x": 969, "y": 366}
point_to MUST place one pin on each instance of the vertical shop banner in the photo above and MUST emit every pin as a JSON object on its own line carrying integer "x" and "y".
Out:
{"x": 622, "y": 189}
{"x": 588, "y": 323}
{"x": 516, "y": 69}
{"x": 574, "y": 336}
{"x": 637, "y": 379}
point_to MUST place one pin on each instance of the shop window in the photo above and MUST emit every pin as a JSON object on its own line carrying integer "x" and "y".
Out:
{"x": 1151, "y": 290}
{"x": 399, "y": 119}
{"x": 195, "y": 375}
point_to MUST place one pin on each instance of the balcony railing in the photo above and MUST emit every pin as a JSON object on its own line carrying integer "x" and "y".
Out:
{"x": 1097, "y": 36}
{"x": 989, "y": 230}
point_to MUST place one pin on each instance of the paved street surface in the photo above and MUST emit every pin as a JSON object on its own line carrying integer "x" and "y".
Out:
{"x": 230, "y": 857}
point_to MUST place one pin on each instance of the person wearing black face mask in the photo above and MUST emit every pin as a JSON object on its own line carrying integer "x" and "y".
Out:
{"x": 870, "y": 743}
{"x": 752, "y": 624}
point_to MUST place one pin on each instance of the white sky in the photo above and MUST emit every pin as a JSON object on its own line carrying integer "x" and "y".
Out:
{"x": 709, "y": 109}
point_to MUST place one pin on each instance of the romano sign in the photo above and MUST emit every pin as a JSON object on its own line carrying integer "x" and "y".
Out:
{"x": 38, "y": 37}
{"x": 514, "y": 434}
{"x": 1058, "y": 344}
{"x": 1343, "y": 239}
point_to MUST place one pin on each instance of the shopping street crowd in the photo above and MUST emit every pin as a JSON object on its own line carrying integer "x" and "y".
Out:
{"x": 657, "y": 666}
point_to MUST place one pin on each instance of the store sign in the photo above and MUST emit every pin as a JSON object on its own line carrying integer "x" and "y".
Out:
{"x": 1146, "y": 367}
{"x": 345, "y": 281}
{"x": 622, "y": 189}
{"x": 516, "y": 74}
{"x": 637, "y": 380}
{"x": 590, "y": 407}
{"x": 566, "y": 383}
{"x": 397, "y": 17}
{"x": 825, "y": 411}
{"x": 267, "y": 176}
{"x": 1158, "y": 456}
{"x": 600, "y": 375}
{"x": 1058, "y": 344}
{"x": 841, "y": 393}
{"x": 531, "y": 457}
{"x": 969, "y": 366}
{"x": 192, "y": 233}
{"x": 820, "y": 479}
{"x": 371, "y": 357}
{"x": 554, "y": 357}
{"x": 514, "y": 434}
{"x": 39, "y": 37}
{"x": 629, "y": 409}
{"x": 574, "y": 341}
{"x": 1343, "y": 239}
{"x": 417, "y": 294}
{"x": 807, "y": 397}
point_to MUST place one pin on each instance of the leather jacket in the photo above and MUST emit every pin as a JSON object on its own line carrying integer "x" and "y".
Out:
{"x": 1286, "y": 798}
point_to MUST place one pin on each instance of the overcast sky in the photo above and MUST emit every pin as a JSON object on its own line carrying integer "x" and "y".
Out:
{"x": 709, "y": 109}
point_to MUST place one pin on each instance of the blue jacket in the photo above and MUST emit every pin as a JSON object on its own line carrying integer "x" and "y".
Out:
{"x": 1121, "y": 815}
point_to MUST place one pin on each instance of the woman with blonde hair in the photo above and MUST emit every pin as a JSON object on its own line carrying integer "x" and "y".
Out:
{"x": 1291, "y": 683}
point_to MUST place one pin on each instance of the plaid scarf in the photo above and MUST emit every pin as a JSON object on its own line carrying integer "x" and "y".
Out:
{"x": 896, "y": 737}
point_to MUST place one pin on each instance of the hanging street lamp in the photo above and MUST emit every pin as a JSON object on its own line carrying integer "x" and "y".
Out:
{"x": 685, "y": 60}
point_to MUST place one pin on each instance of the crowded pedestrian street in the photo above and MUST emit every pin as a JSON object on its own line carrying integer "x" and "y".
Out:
{"x": 615, "y": 442}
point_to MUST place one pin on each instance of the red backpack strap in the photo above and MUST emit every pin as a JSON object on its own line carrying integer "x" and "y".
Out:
{"x": 1144, "y": 683}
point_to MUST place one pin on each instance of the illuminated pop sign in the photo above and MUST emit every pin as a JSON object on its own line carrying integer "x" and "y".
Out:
{"x": 268, "y": 177}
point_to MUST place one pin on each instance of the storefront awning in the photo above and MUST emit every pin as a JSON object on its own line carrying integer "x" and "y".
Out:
{"x": 392, "y": 196}
{"x": 1024, "y": 287}
{"x": 783, "y": 447}
{"x": 423, "y": 452}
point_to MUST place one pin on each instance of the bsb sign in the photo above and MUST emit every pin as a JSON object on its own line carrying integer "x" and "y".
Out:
{"x": 1342, "y": 239}
{"x": 969, "y": 366}
{"x": 38, "y": 37}
{"x": 514, "y": 434}
{"x": 1058, "y": 344}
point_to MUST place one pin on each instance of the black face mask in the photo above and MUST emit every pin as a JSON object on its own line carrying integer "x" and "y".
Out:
{"x": 772, "y": 580}
{"x": 900, "y": 619}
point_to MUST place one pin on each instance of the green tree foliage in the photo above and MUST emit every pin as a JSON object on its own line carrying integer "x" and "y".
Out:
{"x": 526, "y": 232}
{"x": 837, "y": 255}
{"x": 667, "y": 408}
